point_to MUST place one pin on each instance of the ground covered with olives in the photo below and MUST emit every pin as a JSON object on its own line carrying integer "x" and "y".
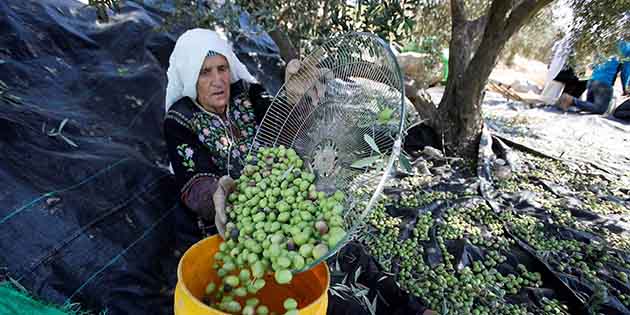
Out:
{"x": 549, "y": 239}
{"x": 278, "y": 223}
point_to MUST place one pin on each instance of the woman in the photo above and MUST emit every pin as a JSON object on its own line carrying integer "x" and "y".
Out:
{"x": 213, "y": 108}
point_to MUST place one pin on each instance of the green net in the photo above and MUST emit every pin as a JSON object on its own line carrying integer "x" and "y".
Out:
{"x": 16, "y": 301}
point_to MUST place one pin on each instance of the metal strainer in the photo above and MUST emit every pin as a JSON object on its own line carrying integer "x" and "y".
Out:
{"x": 343, "y": 112}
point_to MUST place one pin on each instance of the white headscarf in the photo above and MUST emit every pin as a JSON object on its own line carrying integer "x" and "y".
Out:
{"x": 187, "y": 58}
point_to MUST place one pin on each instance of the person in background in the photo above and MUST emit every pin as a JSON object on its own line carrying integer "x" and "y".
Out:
{"x": 599, "y": 88}
{"x": 624, "y": 51}
{"x": 622, "y": 111}
{"x": 561, "y": 69}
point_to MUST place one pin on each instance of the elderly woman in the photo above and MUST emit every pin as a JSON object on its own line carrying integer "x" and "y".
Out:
{"x": 213, "y": 108}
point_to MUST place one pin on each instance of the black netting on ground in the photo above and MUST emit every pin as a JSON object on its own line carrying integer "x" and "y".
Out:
{"x": 86, "y": 203}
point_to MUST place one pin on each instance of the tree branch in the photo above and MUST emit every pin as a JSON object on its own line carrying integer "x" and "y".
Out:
{"x": 420, "y": 100}
{"x": 474, "y": 30}
{"x": 494, "y": 33}
{"x": 287, "y": 50}
{"x": 523, "y": 13}
{"x": 496, "y": 16}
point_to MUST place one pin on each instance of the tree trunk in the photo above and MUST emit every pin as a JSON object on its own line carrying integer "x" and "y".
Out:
{"x": 459, "y": 113}
{"x": 474, "y": 49}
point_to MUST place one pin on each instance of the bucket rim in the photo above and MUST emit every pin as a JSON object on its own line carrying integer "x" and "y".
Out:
{"x": 203, "y": 305}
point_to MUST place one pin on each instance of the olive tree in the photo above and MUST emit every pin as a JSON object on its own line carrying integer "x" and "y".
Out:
{"x": 476, "y": 32}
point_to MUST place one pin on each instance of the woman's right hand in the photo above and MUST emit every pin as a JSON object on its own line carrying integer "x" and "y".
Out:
{"x": 225, "y": 186}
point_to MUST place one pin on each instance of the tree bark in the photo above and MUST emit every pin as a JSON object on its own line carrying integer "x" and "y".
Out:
{"x": 474, "y": 49}
{"x": 287, "y": 50}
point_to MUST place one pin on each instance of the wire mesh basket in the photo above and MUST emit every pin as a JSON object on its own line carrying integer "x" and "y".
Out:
{"x": 343, "y": 112}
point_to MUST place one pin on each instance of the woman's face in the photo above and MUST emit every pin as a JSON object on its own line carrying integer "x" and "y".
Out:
{"x": 213, "y": 84}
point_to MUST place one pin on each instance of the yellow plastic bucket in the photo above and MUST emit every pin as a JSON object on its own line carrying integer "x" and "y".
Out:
{"x": 195, "y": 271}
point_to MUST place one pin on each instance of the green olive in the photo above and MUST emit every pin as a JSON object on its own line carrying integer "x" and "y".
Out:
{"x": 262, "y": 310}
{"x": 283, "y": 276}
{"x": 210, "y": 288}
{"x": 240, "y": 292}
{"x": 290, "y": 304}
{"x": 248, "y": 310}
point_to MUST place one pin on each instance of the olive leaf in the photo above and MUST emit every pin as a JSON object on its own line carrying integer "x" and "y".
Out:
{"x": 371, "y": 306}
{"x": 357, "y": 273}
{"x": 67, "y": 140}
{"x": 18, "y": 285}
{"x": 286, "y": 173}
{"x": 57, "y": 132}
{"x": 371, "y": 142}
{"x": 63, "y": 124}
{"x": 405, "y": 163}
{"x": 364, "y": 162}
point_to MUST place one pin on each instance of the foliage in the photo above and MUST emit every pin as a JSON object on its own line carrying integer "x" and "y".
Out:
{"x": 607, "y": 21}
{"x": 535, "y": 39}
{"x": 483, "y": 29}
{"x": 600, "y": 24}
{"x": 306, "y": 23}
{"x": 418, "y": 25}
{"x": 433, "y": 20}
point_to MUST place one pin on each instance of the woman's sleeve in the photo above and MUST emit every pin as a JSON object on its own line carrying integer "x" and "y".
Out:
{"x": 194, "y": 172}
{"x": 260, "y": 99}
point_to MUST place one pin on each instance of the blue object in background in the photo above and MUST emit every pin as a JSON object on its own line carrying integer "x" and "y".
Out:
{"x": 624, "y": 51}
{"x": 606, "y": 72}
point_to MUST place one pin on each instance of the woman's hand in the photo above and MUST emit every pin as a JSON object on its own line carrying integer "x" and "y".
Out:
{"x": 225, "y": 186}
{"x": 301, "y": 79}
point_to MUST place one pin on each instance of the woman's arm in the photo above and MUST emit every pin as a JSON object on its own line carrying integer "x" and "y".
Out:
{"x": 194, "y": 171}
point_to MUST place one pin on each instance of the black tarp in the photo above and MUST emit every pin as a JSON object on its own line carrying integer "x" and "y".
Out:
{"x": 571, "y": 285}
{"x": 623, "y": 111}
{"x": 85, "y": 213}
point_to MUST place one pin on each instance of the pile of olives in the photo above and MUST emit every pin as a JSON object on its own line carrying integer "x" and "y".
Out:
{"x": 479, "y": 288}
{"x": 448, "y": 287}
{"x": 278, "y": 223}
